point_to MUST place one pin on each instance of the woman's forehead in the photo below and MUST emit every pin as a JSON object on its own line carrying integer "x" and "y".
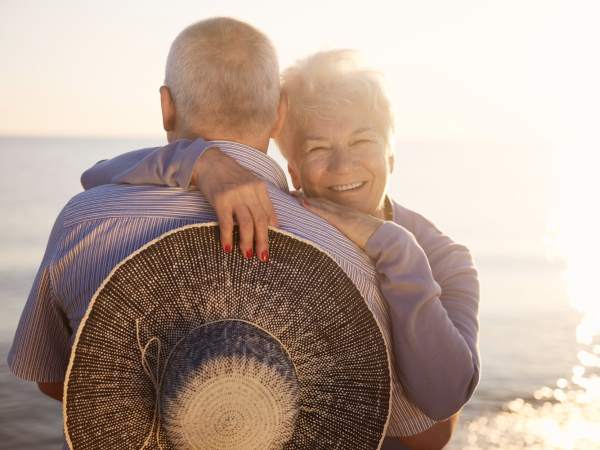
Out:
{"x": 348, "y": 123}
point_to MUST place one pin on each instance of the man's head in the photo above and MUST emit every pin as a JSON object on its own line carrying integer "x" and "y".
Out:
{"x": 222, "y": 82}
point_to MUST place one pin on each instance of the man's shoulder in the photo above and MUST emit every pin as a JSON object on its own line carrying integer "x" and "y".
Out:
{"x": 120, "y": 191}
{"x": 299, "y": 221}
{"x": 125, "y": 201}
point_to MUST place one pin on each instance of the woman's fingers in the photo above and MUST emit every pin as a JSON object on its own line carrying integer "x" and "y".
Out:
{"x": 246, "y": 228}
{"x": 253, "y": 225}
{"x": 267, "y": 205}
{"x": 232, "y": 190}
{"x": 225, "y": 218}
{"x": 257, "y": 232}
{"x": 330, "y": 212}
{"x": 256, "y": 228}
{"x": 355, "y": 225}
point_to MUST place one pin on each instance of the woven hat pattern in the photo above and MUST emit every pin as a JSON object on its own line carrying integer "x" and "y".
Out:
{"x": 234, "y": 387}
{"x": 183, "y": 280}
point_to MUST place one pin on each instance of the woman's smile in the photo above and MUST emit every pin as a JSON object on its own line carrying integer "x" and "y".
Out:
{"x": 348, "y": 187}
{"x": 344, "y": 161}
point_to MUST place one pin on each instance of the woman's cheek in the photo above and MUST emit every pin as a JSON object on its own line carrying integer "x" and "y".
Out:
{"x": 311, "y": 174}
{"x": 308, "y": 187}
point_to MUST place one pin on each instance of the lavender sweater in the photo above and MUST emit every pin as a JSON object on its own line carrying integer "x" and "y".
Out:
{"x": 435, "y": 337}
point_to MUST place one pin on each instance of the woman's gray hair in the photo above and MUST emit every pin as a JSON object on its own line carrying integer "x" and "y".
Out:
{"x": 328, "y": 84}
{"x": 224, "y": 74}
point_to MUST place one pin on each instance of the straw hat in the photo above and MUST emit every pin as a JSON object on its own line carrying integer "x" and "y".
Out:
{"x": 185, "y": 346}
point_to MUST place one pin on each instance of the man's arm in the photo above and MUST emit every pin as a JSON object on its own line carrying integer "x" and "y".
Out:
{"x": 53, "y": 390}
{"x": 42, "y": 344}
{"x": 231, "y": 189}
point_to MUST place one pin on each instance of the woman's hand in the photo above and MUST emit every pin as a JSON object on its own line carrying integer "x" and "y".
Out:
{"x": 232, "y": 190}
{"x": 355, "y": 225}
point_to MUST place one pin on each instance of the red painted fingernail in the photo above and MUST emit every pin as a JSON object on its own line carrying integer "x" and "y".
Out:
{"x": 228, "y": 248}
{"x": 249, "y": 254}
{"x": 294, "y": 195}
{"x": 265, "y": 255}
{"x": 305, "y": 203}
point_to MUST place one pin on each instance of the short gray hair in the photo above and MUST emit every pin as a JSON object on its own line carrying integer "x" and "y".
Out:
{"x": 224, "y": 74}
{"x": 327, "y": 84}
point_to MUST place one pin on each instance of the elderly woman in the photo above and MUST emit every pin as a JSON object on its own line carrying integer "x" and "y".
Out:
{"x": 337, "y": 139}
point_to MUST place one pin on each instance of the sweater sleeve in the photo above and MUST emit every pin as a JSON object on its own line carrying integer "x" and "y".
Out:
{"x": 434, "y": 327}
{"x": 171, "y": 165}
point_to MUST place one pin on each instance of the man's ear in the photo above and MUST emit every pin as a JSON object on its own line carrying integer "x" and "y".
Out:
{"x": 168, "y": 109}
{"x": 281, "y": 113}
{"x": 391, "y": 160}
{"x": 295, "y": 178}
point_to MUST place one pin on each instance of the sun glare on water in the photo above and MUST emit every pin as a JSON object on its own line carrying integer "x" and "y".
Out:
{"x": 566, "y": 416}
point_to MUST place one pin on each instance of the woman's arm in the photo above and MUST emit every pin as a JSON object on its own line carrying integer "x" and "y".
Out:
{"x": 171, "y": 165}
{"x": 435, "y": 349}
{"x": 436, "y": 353}
{"x": 231, "y": 189}
{"x": 454, "y": 270}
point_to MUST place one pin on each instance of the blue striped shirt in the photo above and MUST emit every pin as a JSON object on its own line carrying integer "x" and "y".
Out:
{"x": 99, "y": 228}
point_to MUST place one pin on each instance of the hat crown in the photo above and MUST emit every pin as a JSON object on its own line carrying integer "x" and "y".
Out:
{"x": 229, "y": 384}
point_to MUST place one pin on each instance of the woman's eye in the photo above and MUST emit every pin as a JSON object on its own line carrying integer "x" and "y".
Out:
{"x": 362, "y": 141}
{"x": 316, "y": 149}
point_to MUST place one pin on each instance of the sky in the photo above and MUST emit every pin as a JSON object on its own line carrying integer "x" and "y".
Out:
{"x": 466, "y": 70}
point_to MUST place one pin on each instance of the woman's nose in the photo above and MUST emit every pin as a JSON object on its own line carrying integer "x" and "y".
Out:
{"x": 341, "y": 160}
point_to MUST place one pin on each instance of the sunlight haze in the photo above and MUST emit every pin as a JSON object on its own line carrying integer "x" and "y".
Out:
{"x": 461, "y": 71}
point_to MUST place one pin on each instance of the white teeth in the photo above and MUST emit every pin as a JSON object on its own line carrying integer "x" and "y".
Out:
{"x": 346, "y": 187}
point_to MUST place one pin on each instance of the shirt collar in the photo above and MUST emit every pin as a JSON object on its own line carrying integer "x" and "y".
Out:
{"x": 259, "y": 163}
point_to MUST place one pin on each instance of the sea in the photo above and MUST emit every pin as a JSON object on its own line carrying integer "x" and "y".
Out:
{"x": 527, "y": 210}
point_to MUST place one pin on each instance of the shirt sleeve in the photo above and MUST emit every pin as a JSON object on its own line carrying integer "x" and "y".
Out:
{"x": 42, "y": 344}
{"x": 171, "y": 165}
{"x": 434, "y": 330}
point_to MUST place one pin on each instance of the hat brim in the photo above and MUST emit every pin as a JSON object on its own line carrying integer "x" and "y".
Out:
{"x": 183, "y": 279}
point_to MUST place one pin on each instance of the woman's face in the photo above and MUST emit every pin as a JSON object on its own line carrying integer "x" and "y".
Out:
{"x": 344, "y": 161}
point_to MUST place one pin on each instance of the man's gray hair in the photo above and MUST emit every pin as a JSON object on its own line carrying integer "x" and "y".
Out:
{"x": 223, "y": 74}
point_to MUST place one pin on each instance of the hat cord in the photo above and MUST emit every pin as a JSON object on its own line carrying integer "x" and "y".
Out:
{"x": 156, "y": 380}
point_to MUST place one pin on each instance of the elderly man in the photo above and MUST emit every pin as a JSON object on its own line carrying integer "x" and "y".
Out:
{"x": 235, "y": 105}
